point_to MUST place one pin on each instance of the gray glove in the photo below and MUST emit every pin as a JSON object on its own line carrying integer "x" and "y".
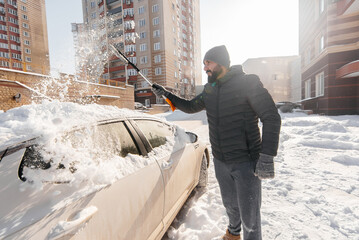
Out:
{"x": 264, "y": 167}
{"x": 159, "y": 90}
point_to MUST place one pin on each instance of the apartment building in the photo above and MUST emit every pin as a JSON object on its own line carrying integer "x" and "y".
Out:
{"x": 162, "y": 38}
{"x": 329, "y": 46}
{"x": 279, "y": 75}
{"x": 23, "y": 36}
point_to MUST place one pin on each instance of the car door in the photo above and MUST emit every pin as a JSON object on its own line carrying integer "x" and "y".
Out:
{"x": 130, "y": 207}
{"x": 177, "y": 164}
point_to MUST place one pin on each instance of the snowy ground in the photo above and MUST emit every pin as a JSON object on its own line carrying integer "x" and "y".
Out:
{"x": 315, "y": 194}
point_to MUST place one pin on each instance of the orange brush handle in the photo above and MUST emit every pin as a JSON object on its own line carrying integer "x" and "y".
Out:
{"x": 171, "y": 104}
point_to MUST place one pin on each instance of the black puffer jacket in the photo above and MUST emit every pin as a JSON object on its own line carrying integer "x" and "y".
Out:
{"x": 233, "y": 105}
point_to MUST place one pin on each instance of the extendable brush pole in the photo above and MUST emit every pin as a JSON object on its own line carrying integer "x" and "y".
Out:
{"x": 119, "y": 54}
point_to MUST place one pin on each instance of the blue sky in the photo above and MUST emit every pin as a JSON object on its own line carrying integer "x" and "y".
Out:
{"x": 248, "y": 28}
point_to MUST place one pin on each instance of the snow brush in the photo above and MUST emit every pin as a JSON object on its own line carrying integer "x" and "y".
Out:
{"x": 120, "y": 55}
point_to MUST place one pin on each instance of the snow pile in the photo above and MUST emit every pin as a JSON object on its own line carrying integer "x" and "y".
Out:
{"x": 314, "y": 195}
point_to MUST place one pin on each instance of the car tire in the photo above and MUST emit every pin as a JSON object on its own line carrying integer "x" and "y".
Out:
{"x": 203, "y": 174}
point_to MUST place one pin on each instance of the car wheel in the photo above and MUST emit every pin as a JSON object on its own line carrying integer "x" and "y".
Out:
{"x": 203, "y": 175}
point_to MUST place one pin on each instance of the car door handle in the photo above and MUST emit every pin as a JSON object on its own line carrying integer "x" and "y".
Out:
{"x": 75, "y": 222}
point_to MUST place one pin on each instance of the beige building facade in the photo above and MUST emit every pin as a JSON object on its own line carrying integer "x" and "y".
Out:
{"x": 279, "y": 75}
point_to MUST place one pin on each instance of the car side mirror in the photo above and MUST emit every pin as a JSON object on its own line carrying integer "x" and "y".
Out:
{"x": 193, "y": 137}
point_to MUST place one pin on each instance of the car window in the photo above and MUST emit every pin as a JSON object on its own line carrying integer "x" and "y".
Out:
{"x": 33, "y": 159}
{"x": 112, "y": 138}
{"x": 155, "y": 131}
{"x": 105, "y": 140}
{"x": 116, "y": 139}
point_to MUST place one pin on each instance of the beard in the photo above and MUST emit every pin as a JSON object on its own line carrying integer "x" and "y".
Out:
{"x": 215, "y": 73}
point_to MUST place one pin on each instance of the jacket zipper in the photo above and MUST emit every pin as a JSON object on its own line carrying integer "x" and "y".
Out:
{"x": 218, "y": 135}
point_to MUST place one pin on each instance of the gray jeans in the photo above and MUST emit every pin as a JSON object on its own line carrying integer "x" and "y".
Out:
{"x": 241, "y": 195}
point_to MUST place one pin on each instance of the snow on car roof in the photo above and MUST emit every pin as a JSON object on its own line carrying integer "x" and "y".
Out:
{"x": 48, "y": 118}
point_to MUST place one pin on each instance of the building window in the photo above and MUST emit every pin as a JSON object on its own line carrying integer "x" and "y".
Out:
{"x": 25, "y": 17}
{"x": 128, "y": 11}
{"x": 144, "y": 71}
{"x": 143, "y": 47}
{"x": 12, "y": 11}
{"x": 4, "y": 63}
{"x": 156, "y": 33}
{"x": 93, "y": 15}
{"x": 130, "y": 25}
{"x": 142, "y": 35}
{"x": 92, "y": 4}
{"x": 143, "y": 60}
{"x": 131, "y": 72}
{"x": 3, "y": 36}
{"x": 16, "y": 56}
{"x": 321, "y": 44}
{"x": 15, "y": 30}
{"x": 158, "y": 71}
{"x": 133, "y": 60}
{"x": 307, "y": 89}
{"x": 155, "y": 8}
{"x": 141, "y": 22}
{"x": 156, "y": 21}
{"x": 26, "y": 34}
{"x": 130, "y": 48}
{"x": 319, "y": 84}
{"x": 12, "y": 20}
{"x": 23, "y": 8}
{"x": 12, "y": 3}
{"x": 321, "y": 6}
{"x": 25, "y": 25}
{"x": 157, "y": 46}
{"x": 17, "y": 65}
{"x": 27, "y": 50}
{"x": 26, "y": 42}
{"x": 4, "y": 45}
{"x": 4, "y": 55}
{"x": 141, "y": 10}
{"x": 157, "y": 58}
{"x": 14, "y": 38}
{"x": 15, "y": 47}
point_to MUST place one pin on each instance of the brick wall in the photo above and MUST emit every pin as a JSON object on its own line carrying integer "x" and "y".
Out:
{"x": 65, "y": 88}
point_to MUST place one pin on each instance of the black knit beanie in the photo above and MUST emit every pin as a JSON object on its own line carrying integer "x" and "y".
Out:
{"x": 218, "y": 55}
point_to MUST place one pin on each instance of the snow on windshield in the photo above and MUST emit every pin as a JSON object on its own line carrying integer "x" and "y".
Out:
{"x": 77, "y": 157}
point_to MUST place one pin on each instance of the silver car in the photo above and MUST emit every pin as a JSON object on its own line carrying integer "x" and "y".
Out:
{"x": 123, "y": 178}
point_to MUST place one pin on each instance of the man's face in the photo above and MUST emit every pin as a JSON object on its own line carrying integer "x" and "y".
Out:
{"x": 212, "y": 69}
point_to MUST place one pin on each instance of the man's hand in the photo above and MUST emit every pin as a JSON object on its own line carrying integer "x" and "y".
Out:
{"x": 264, "y": 167}
{"x": 159, "y": 90}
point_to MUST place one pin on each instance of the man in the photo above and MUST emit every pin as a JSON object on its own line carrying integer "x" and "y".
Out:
{"x": 233, "y": 101}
